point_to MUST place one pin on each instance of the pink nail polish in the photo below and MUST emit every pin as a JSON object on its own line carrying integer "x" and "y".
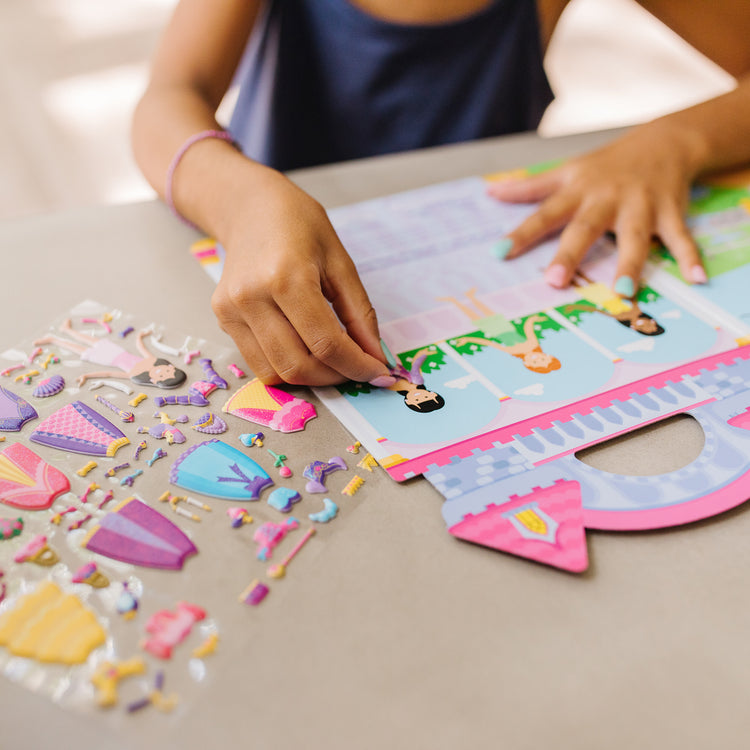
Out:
{"x": 556, "y": 276}
{"x": 698, "y": 275}
{"x": 383, "y": 381}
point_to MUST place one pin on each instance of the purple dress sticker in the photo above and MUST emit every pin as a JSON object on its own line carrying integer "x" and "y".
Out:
{"x": 14, "y": 411}
{"x": 136, "y": 533}
{"x": 79, "y": 429}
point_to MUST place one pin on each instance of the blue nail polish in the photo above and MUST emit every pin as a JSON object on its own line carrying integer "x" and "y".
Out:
{"x": 501, "y": 248}
{"x": 624, "y": 286}
{"x": 389, "y": 358}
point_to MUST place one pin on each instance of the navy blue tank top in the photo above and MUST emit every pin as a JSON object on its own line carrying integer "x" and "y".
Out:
{"x": 322, "y": 81}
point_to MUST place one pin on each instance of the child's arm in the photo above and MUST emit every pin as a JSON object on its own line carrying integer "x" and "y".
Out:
{"x": 284, "y": 263}
{"x": 638, "y": 186}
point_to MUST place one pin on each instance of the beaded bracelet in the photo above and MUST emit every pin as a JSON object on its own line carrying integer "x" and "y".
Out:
{"x": 222, "y": 135}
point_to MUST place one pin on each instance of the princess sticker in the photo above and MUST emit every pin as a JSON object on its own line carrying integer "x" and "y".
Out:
{"x": 145, "y": 369}
{"x": 410, "y": 384}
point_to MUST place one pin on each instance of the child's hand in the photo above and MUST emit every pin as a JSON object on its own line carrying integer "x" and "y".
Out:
{"x": 287, "y": 277}
{"x": 636, "y": 187}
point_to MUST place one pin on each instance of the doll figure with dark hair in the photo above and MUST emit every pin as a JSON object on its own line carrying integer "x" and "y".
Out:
{"x": 633, "y": 318}
{"x": 625, "y": 311}
{"x": 410, "y": 385}
{"x": 145, "y": 369}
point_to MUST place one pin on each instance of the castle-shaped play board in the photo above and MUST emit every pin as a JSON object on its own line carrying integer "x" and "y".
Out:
{"x": 509, "y": 377}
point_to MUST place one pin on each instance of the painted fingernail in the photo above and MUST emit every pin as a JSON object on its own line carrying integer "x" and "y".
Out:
{"x": 501, "y": 248}
{"x": 383, "y": 381}
{"x": 389, "y": 358}
{"x": 698, "y": 275}
{"x": 624, "y": 286}
{"x": 556, "y": 275}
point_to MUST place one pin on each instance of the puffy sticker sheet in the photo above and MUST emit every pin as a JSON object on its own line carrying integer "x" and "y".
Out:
{"x": 119, "y": 486}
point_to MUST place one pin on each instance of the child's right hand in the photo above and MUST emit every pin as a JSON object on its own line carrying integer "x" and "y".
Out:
{"x": 290, "y": 296}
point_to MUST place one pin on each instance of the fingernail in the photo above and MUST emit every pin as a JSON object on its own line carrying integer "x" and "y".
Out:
{"x": 624, "y": 286}
{"x": 383, "y": 381}
{"x": 556, "y": 275}
{"x": 698, "y": 275}
{"x": 389, "y": 358}
{"x": 501, "y": 248}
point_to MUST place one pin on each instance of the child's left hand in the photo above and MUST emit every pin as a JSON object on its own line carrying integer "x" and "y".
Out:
{"x": 637, "y": 187}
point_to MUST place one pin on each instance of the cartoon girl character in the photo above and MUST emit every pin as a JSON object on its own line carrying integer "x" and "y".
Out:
{"x": 633, "y": 318}
{"x": 626, "y": 312}
{"x": 144, "y": 370}
{"x": 528, "y": 351}
{"x": 410, "y": 385}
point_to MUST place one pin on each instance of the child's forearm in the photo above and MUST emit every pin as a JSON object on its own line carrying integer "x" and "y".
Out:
{"x": 191, "y": 71}
{"x": 714, "y": 135}
{"x": 211, "y": 174}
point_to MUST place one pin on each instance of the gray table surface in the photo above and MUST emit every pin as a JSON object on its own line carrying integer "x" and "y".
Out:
{"x": 392, "y": 633}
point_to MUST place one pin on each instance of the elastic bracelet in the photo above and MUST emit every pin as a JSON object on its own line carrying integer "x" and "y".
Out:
{"x": 222, "y": 135}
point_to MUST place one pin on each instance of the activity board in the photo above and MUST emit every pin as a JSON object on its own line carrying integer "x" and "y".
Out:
{"x": 132, "y": 460}
{"x": 503, "y": 378}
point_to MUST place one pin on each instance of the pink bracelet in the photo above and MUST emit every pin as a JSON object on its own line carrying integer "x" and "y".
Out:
{"x": 168, "y": 199}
